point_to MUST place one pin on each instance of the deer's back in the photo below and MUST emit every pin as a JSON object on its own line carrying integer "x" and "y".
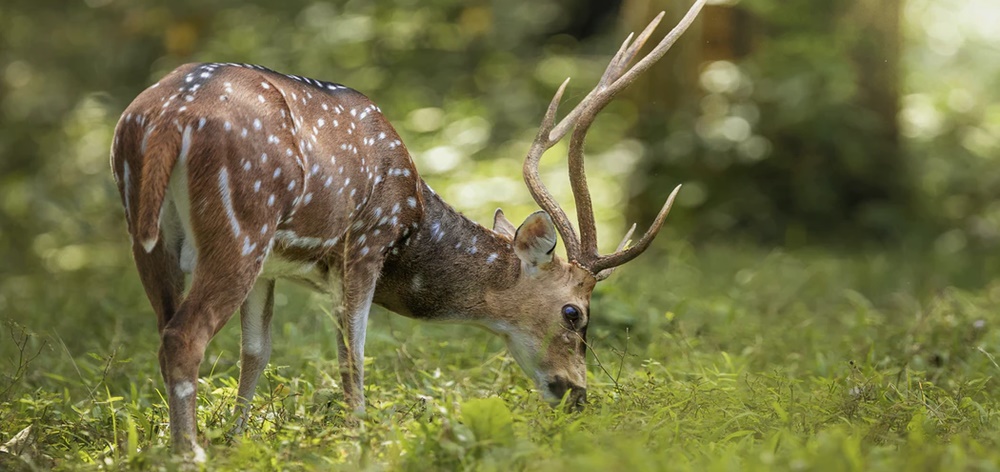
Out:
{"x": 311, "y": 168}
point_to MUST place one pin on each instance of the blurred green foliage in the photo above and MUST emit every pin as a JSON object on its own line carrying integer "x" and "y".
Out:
{"x": 951, "y": 118}
{"x": 832, "y": 122}
{"x": 794, "y": 136}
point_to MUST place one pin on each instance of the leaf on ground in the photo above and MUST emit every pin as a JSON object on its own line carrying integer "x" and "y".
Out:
{"x": 490, "y": 420}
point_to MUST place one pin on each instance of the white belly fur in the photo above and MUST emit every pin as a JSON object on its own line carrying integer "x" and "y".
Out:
{"x": 306, "y": 273}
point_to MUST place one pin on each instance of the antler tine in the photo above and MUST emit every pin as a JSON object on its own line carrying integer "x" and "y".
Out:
{"x": 625, "y": 240}
{"x": 661, "y": 48}
{"x": 621, "y": 256}
{"x": 626, "y": 56}
{"x": 550, "y": 113}
{"x": 616, "y": 67}
{"x": 613, "y": 71}
{"x": 601, "y": 275}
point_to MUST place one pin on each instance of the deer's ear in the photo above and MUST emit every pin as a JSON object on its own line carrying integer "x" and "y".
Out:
{"x": 535, "y": 240}
{"x": 502, "y": 225}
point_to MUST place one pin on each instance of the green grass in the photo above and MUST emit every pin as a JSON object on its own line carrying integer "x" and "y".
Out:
{"x": 718, "y": 358}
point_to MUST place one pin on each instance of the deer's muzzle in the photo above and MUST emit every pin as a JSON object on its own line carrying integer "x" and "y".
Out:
{"x": 576, "y": 398}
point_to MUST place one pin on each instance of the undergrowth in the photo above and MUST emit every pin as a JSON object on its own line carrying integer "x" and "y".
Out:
{"x": 722, "y": 358}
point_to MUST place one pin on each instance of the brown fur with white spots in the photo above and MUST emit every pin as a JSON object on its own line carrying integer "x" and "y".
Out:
{"x": 238, "y": 175}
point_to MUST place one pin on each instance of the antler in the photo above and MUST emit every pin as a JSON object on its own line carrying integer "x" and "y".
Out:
{"x": 617, "y": 76}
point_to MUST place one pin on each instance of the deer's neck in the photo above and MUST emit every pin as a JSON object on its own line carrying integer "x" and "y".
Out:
{"x": 447, "y": 267}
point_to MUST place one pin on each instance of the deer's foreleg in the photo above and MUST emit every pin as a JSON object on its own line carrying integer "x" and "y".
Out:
{"x": 358, "y": 291}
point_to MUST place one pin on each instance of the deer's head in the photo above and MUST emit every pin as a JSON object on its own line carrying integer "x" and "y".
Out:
{"x": 545, "y": 313}
{"x": 511, "y": 280}
{"x": 549, "y": 305}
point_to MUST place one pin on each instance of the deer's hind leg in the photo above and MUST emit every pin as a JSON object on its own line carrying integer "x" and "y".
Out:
{"x": 222, "y": 280}
{"x": 233, "y": 233}
{"x": 162, "y": 278}
{"x": 255, "y": 346}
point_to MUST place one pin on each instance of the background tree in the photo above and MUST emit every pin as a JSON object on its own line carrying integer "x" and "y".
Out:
{"x": 782, "y": 116}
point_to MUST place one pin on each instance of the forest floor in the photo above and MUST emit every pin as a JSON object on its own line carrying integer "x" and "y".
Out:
{"x": 716, "y": 358}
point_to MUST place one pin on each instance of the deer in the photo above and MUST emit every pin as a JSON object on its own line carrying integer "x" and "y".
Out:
{"x": 236, "y": 175}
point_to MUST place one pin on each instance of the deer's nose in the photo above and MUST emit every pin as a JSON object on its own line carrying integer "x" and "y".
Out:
{"x": 577, "y": 394}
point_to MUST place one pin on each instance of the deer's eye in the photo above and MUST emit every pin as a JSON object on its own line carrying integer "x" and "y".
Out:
{"x": 571, "y": 313}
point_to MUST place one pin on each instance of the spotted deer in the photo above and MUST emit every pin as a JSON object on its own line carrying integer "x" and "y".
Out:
{"x": 237, "y": 175}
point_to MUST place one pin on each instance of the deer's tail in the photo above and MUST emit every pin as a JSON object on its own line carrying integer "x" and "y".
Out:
{"x": 162, "y": 152}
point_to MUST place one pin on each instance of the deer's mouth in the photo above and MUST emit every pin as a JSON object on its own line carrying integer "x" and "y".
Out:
{"x": 560, "y": 387}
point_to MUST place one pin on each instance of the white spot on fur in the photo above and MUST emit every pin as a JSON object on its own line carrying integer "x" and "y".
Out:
{"x": 185, "y": 146}
{"x": 247, "y": 247}
{"x": 127, "y": 178}
{"x": 183, "y": 390}
{"x": 227, "y": 200}
{"x": 417, "y": 283}
{"x": 290, "y": 239}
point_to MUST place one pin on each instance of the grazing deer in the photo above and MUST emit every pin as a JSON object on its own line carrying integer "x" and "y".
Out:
{"x": 239, "y": 175}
